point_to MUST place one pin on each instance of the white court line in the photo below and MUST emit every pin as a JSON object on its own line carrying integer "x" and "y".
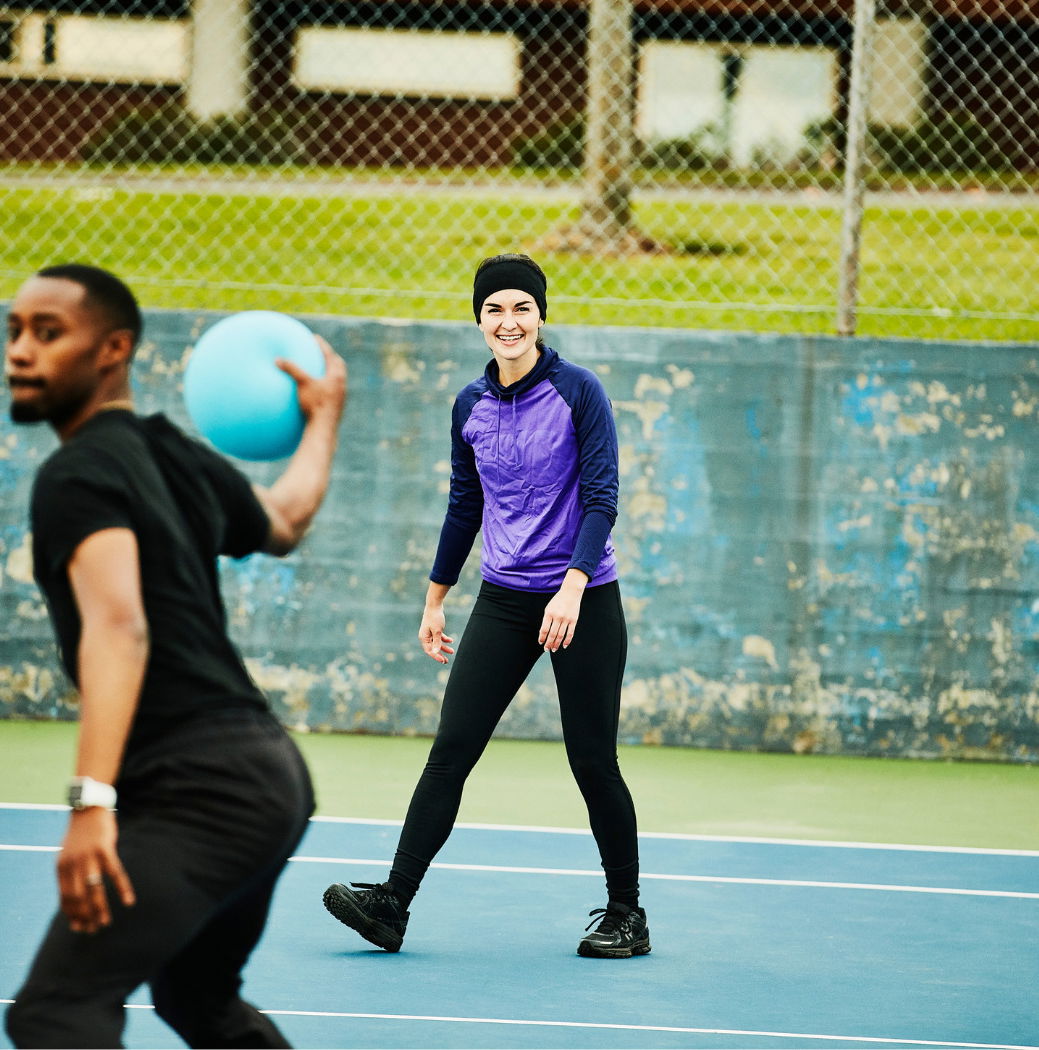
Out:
{"x": 736, "y": 1033}
{"x": 677, "y": 836}
{"x": 711, "y": 879}
{"x": 682, "y": 837}
{"x": 877, "y": 887}
{"x": 879, "y": 1040}
{"x": 725, "y": 879}
{"x": 31, "y": 805}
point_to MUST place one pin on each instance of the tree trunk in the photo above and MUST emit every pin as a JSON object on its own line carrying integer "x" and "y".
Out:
{"x": 610, "y": 133}
{"x": 606, "y": 224}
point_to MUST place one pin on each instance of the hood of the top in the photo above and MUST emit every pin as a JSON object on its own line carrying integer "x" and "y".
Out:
{"x": 545, "y": 361}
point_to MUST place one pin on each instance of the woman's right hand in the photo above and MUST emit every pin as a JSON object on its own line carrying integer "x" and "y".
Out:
{"x": 435, "y": 643}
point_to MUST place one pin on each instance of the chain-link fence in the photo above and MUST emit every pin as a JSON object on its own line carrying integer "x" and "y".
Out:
{"x": 673, "y": 163}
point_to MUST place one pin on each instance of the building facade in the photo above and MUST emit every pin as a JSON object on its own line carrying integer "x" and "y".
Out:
{"x": 433, "y": 84}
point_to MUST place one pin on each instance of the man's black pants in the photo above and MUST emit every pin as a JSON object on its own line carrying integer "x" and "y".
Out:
{"x": 205, "y": 830}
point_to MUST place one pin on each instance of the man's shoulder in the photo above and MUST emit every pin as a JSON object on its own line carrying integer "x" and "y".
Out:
{"x": 93, "y": 450}
{"x": 120, "y": 450}
{"x": 163, "y": 437}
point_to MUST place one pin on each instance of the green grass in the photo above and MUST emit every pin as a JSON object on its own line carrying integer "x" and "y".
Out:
{"x": 675, "y": 789}
{"x": 967, "y": 273}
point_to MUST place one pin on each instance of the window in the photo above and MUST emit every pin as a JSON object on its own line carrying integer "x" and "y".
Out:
{"x": 680, "y": 89}
{"x": 752, "y": 100}
{"x": 899, "y": 66}
{"x": 417, "y": 63}
{"x": 78, "y": 47}
{"x": 154, "y": 51}
{"x": 782, "y": 90}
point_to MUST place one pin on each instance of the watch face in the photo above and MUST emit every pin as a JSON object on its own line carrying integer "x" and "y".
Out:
{"x": 84, "y": 793}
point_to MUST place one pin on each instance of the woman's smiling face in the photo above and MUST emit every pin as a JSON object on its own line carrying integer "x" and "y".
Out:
{"x": 510, "y": 321}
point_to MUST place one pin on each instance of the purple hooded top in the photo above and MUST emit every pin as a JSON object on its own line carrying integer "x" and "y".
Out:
{"x": 535, "y": 466}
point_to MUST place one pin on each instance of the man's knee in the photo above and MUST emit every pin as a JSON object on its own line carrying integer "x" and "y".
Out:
{"x": 38, "y": 1021}
{"x": 205, "y": 1022}
{"x": 183, "y": 1011}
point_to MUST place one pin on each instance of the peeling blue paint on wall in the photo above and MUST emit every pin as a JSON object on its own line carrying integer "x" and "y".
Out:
{"x": 825, "y": 545}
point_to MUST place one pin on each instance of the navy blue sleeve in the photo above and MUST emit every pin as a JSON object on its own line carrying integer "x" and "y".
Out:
{"x": 591, "y": 542}
{"x": 465, "y": 501}
{"x": 597, "y": 449}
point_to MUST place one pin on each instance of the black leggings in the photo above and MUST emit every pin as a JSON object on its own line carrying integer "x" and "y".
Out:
{"x": 497, "y": 652}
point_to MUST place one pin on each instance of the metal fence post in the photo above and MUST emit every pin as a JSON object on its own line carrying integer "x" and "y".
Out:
{"x": 854, "y": 165}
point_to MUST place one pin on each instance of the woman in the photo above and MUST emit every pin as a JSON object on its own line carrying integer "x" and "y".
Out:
{"x": 534, "y": 464}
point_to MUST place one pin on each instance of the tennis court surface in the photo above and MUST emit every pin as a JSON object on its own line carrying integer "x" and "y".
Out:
{"x": 756, "y": 943}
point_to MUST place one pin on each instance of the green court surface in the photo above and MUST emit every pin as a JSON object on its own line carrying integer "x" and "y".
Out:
{"x": 677, "y": 790}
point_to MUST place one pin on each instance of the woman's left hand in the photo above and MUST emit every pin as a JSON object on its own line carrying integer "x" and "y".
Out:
{"x": 561, "y": 613}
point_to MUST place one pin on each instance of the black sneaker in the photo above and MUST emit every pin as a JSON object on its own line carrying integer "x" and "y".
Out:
{"x": 376, "y": 913}
{"x": 621, "y": 933}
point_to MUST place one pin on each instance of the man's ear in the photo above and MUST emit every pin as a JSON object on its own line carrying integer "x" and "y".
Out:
{"x": 117, "y": 348}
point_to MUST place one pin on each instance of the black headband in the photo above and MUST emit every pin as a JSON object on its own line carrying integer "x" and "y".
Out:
{"x": 508, "y": 274}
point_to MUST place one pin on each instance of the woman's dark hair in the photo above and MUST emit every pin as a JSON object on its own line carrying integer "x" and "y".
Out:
{"x": 104, "y": 292}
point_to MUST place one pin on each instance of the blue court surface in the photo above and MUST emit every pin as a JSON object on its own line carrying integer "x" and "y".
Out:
{"x": 756, "y": 944}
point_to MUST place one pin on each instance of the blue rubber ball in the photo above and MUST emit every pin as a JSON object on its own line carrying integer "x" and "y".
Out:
{"x": 235, "y": 394}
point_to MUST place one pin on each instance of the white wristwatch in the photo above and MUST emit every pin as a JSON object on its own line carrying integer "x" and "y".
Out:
{"x": 85, "y": 792}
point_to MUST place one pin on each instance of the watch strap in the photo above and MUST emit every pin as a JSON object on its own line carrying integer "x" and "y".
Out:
{"x": 86, "y": 793}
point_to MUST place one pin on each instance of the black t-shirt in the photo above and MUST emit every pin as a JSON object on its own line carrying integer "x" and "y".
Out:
{"x": 186, "y": 505}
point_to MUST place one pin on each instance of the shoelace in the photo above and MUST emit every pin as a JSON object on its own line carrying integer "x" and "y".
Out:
{"x": 610, "y": 923}
{"x": 376, "y": 887}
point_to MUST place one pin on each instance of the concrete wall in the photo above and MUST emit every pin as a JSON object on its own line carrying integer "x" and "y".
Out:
{"x": 826, "y": 545}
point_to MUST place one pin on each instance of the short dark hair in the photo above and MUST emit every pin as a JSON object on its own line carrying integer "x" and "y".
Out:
{"x": 104, "y": 291}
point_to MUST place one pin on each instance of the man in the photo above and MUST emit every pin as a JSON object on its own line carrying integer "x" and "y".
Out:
{"x": 128, "y": 517}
